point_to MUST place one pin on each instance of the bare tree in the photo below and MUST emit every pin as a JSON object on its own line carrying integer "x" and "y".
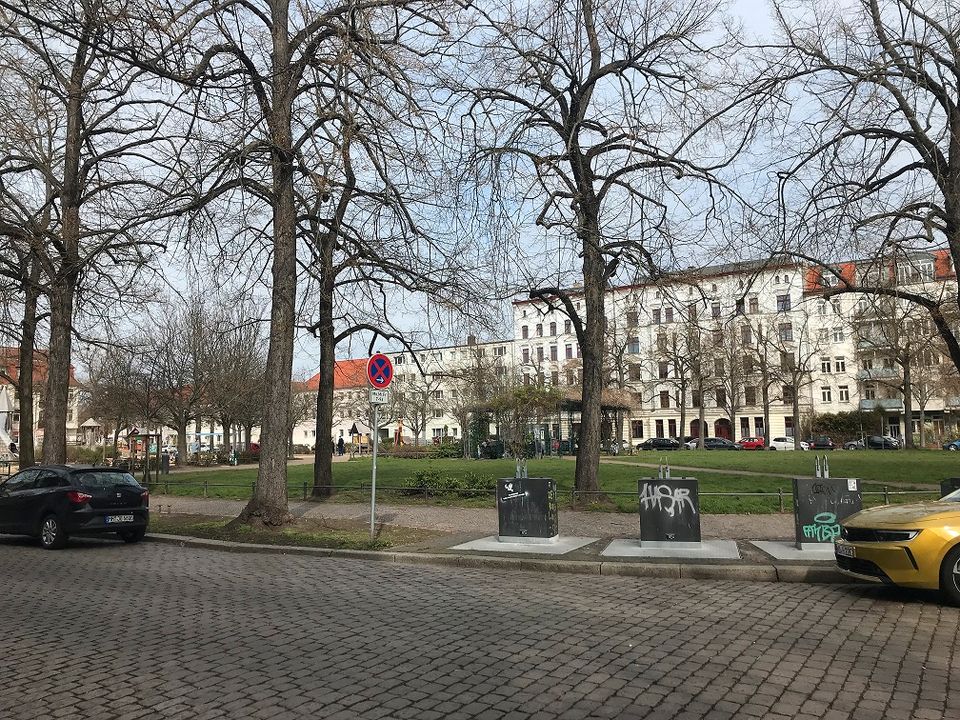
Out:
{"x": 794, "y": 339}
{"x": 584, "y": 138}
{"x": 878, "y": 165}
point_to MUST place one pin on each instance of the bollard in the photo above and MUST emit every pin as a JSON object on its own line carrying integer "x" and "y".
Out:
{"x": 780, "y": 493}
{"x": 886, "y": 496}
{"x": 204, "y": 487}
{"x": 304, "y": 489}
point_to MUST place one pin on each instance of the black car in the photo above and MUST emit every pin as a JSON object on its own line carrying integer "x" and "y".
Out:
{"x": 874, "y": 442}
{"x": 821, "y": 442}
{"x": 718, "y": 443}
{"x": 53, "y": 502}
{"x": 659, "y": 444}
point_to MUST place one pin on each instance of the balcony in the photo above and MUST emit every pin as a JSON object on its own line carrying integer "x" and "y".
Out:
{"x": 879, "y": 374}
{"x": 882, "y": 404}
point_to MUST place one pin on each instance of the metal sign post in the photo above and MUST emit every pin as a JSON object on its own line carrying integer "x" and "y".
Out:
{"x": 373, "y": 480}
{"x": 379, "y": 376}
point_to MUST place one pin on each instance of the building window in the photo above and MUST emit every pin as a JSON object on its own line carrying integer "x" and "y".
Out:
{"x": 633, "y": 345}
{"x": 526, "y": 356}
{"x": 748, "y": 364}
{"x": 825, "y": 365}
{"x": 835, "y": 304}
{"x": 656, "y": 316}
{"x": 571, "y": 377}
{"x": 398, "y": 360}
{"x": 540, "y": 353}
{"x": 632, "y": 318}
{"x": 695, "y": 398}
{"x": 553, "y": 329}
{"x": 788, "y": 394}
{"x": 566, "y": 326}
{"x": 838, "y": 334}
{"x": 659, "y": 424}
{"x": 750, "y": 396}
{"x": 822, "y": 307}
{"x": 788, "y": 426}
{"x": 843, "y": 393}
{"x": 539, "y": 330}
{"x": 500, "y": 351}
{"x": 870, "y": 391}
{"x": 636, "y": 429}
{"x": 437, "y": 413}
{"x": 754, "y": 304}
{"x": 668, "y": 315}
{"x": 839, "y": 364}
{"x": 635, "y": 372}
{"x": 438, "y": 394}
{"x": 692, "y": 311}
{"x": 663, "y": 370}
{"x": 783, "y": 303}
{"x": 715, "y": 310}
{"x": 718, "y": 367}
{"x": 721, "y": 396}
{"x": 665, "y": 399}
{"x": 826, "y": 395}
{"x": 785, "y": 331}
{"x": 524, "y": 332}
{"x": 662, "y": 342}
{"x": 740, "y": 306}
{"x": 672, "y": 428}
{"x": 788, "y": 362}
{"x": 746, "y": 335}
{"x": 555, "y": 378}
{"x": 569, "y": 352}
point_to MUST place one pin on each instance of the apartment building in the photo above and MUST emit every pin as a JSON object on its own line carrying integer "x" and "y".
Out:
{"x": 727, "y": 351}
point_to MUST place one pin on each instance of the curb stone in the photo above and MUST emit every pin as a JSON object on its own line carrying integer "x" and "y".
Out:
{"x": 690, "y": 571}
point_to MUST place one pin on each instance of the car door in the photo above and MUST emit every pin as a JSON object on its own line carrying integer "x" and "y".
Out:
{"x": 14, "y": 496}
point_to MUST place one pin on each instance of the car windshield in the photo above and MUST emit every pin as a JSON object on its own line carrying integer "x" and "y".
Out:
{"x": 103, "y": 479}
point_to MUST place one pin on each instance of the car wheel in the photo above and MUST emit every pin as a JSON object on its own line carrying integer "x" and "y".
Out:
{"x": 132, "y": 536}
{"x": 52, "y": 534}
{"x": 773, "y": 449}
{"x": 952, "y": 448}
{"x": 950, "y": 576}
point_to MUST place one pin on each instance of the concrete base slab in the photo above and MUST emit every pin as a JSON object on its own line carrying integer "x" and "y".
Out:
{"x": 561, "y": 546}
{"x": 513, "y": 540}
{"x": 707, "y": 550}
{"x": 782, "y": 550}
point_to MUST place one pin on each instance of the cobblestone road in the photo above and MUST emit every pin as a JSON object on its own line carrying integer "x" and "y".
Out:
{"x": 106, "y": 631}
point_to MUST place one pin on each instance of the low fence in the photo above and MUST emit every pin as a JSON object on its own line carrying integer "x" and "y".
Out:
{"x": 781, "y": 498}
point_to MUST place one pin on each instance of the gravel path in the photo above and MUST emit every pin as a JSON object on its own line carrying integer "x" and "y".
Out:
{"x": 484, "y": 520}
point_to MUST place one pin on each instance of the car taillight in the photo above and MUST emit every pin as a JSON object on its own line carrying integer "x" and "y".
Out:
{"x": 79, "y": 498}
{"x": 145, "y": 498}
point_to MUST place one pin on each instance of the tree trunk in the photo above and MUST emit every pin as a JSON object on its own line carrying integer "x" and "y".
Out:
{"x": 268, "y": 506}
{"x": 702, "y": 419}
{"x": 796, "y": 417}
{"x": 323, "y": 452}
{"x": 765, "y": 395}
{"x": 57, "y": 393}
{"x": 907, "y": 406}
{"x": 591, "y": 350}
{"x": 683, "y": 411}
{"x": 227, "y": 433}
{"x": 922, "y": 413}
{"x": 28, "y": 343}
{"x": 182, "y": 440}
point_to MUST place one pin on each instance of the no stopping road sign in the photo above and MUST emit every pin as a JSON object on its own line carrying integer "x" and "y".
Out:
{"x": 379, "y": 371}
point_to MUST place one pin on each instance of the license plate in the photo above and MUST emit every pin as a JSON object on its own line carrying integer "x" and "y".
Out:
{"x": 111, "y": 519}
{"x": 845, "y": 550}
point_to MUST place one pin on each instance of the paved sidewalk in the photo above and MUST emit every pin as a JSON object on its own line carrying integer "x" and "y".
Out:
{"x": 479, "y": 521}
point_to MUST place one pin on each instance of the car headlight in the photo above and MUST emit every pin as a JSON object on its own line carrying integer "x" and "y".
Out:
{"x": 872, "y": 535}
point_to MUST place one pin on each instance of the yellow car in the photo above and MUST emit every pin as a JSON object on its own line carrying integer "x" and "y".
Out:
{"x": 915, "y": 546}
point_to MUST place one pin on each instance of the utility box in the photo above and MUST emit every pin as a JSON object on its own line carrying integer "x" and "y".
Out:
{"x": 819, "y": 504}
{"x": 527, "y": 510}
{"x": 948, "y": 486}
{"x": 669, "y": 510}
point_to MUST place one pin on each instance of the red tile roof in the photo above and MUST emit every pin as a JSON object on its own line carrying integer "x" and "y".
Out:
{"x": 347, "y": 374}
{"x": 10, "y": 366}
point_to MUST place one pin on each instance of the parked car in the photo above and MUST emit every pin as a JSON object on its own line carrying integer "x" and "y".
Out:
{"x": 659, "y": 444}
{"x": 910, "y": 545}
{"x": 752, "y": 443}
{"x": 786, "y": 443}
{"x": 53, "y": 502}
{"x": 820, "y": 442}
{"x": 873, "y": 442}
{"x": 953, "y": 445}
{"x": 716, "y": 443}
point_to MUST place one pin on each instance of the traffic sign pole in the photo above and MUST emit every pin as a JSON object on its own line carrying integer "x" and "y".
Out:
{"x": 373, "y": 483}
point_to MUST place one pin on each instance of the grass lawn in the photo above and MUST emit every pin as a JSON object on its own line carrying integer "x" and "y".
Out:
{"x": 874, "y": 468}
{"x": 303, "y": 533}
